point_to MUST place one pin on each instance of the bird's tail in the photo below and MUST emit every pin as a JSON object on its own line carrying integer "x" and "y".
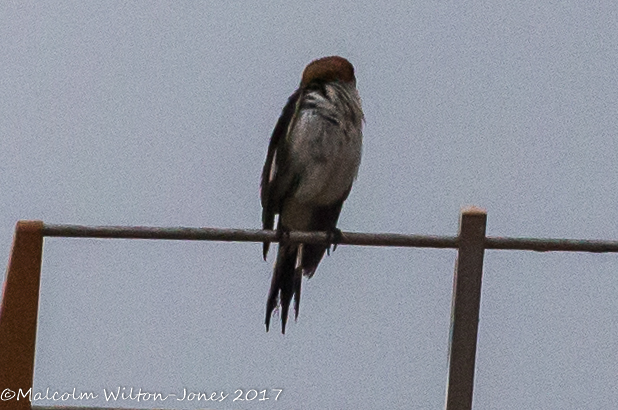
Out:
{"x": 311, "y": 257}
{"x": 285, "y": 284}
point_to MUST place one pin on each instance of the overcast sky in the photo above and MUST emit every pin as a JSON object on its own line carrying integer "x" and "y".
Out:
{"x": 159, "y": 113}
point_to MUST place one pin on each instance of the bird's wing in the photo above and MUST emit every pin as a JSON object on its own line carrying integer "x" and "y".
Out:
{"x": 273, "y": 186}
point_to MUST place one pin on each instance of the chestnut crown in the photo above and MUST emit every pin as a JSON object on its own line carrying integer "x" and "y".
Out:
{"x": 327, "y": 69}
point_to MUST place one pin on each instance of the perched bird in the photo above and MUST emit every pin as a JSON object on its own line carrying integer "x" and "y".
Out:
{"x": 312, "y": 160}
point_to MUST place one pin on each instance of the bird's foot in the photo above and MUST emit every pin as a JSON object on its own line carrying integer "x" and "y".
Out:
{"x": 334, "y": 238}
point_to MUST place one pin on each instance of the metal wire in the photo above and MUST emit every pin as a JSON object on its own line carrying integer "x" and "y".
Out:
{"x": 546, "y": 245}
{"x": 347, "y": 238}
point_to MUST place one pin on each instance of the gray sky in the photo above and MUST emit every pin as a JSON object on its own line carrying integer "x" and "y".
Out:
{"x": 159, "y": 113}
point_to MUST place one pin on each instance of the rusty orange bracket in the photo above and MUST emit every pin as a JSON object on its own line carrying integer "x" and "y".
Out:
{"x": 18, "y": 313}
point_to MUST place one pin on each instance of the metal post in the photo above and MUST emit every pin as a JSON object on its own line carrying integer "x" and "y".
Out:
{"x": 465, "y": 309}
{"x": 18, "y": 314}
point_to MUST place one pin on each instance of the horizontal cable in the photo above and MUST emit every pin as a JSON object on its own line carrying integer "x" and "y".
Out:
{"x": 347, "y": 238}
{"x": 246, "y": 235}
{"x": 546, "y": 245}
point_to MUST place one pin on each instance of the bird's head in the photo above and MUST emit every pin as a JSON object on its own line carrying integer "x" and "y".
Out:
{"x": 328, "y": 69}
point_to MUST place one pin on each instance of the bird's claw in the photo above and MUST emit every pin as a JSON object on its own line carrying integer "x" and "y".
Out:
{"x": 334, "y": 238}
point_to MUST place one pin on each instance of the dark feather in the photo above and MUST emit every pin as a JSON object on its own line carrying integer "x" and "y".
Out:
{"x": 282, "y": 286}
{"x": 324, "y": 219}
{"x": 274, "y": 158}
